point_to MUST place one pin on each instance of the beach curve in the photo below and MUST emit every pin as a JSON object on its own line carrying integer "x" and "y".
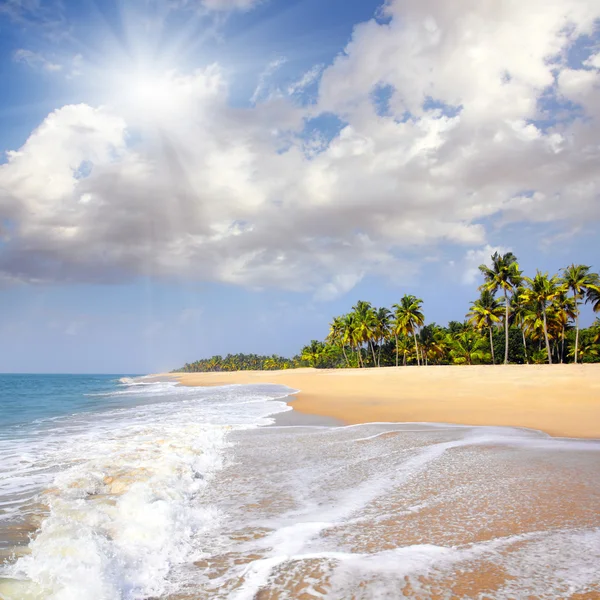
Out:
{"x": 560, "y": 400}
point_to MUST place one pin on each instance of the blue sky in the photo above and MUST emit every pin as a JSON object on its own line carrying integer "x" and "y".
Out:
{"x": 188, "y": 177}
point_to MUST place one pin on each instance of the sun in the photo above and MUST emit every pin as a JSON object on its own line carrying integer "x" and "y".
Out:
{"x": 151, "y": 92}
{"x": 147, "y": 94}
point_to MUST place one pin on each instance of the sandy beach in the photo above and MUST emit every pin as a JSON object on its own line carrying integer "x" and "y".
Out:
{"x": 561, "y": 400}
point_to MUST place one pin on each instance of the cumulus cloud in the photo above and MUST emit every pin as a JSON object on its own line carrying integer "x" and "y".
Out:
{"x": 478, "y": 256}
{"x": 213, "y": 192}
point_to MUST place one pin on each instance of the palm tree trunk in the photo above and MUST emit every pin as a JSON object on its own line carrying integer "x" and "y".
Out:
{"x": 576, "y": 327}
{"x": 379, "y": 351}
{"x": 562, "y": 346}
{"x": 396, "y": 336}
{"x": 416, "y": 349}
{"x": 404, "y": 358}
{"x": 546, "y": 336}
{"x": 345, "y": 355}
{"x": 525, "y": 345}
{"x": 492, "y": 346}
{"x": 506, "y": 328}
{"x": 373, "y": 351}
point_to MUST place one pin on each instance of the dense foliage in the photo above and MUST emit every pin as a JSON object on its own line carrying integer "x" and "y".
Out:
{"x": 239, "y": 362}
{"x": 516, "y": 319}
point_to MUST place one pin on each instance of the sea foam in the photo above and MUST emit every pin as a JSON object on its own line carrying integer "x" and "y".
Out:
{"x": 123, "y": 490}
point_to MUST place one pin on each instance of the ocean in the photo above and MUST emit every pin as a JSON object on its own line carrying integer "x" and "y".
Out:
{"x": 123, "y": 488}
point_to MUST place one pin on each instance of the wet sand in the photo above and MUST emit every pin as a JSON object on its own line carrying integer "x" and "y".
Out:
{"x": 395, "y": 511}
{"x": 561, "y": 400}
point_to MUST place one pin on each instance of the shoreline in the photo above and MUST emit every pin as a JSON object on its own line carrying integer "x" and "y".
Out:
{"x": 559, "y": 400}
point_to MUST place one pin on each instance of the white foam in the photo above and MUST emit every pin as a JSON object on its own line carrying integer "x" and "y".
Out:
{"x": 125, "y": 491}
{"x": 138, "y": 493}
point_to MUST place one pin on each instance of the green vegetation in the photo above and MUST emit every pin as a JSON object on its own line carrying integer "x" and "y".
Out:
{"x": 528, "y": 319}
{"x": 238, "y": 362}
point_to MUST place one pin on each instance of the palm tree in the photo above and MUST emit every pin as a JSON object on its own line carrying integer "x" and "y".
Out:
{"x": 366, "y": 323}
{"x": 456, "y": 327}
{"x": 404, "y": 345}
{"x": 382, "y": 329}
{"x": 587, "y": 349}
{"x": 433, "y": 343}
{"x": 541, "y": 291}
{"x": 520, "y": 310}
{"x": 467, "y": 347}
{"x": 313, "y": 353}
{"x": 595, "y": 330}
{"x": 505, "y": 275}
{"x": 409, "y": 317}
{"x": 397, "y": 328}
{"x": 563, "y": 310}
{"x": 578, "y": 280}
{"x": 485, "y": 313}
{"x": 351, "y": 336}
{"x": 593, "y": 296}
{"x": 337, "y": 335}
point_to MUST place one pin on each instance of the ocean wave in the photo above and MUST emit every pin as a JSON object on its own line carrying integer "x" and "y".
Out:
{"x": 123, "y": 491}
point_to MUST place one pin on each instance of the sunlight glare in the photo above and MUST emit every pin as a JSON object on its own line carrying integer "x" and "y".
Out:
{"x": 149, "y": 94}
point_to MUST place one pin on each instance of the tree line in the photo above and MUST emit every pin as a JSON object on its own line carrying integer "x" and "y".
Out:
{"x": 515, "y": 319}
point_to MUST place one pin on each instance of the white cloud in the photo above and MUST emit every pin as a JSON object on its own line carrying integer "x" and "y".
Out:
{"x": 36, "y": 60}
{"x": 307, "y": 79}
{"x": 264, "y": 90}
{"x": 70, "y": 67}
{"x": 478, "y": 256}
{"x": 209, "y": 192}
{"x": 593, "y": 61}
{"x": 338, "y": 286}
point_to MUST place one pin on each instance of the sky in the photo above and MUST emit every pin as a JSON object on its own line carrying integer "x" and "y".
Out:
{"x": 182, "y": 178}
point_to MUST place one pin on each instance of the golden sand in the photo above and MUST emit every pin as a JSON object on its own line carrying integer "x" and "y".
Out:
{"x": 561, "y": 400}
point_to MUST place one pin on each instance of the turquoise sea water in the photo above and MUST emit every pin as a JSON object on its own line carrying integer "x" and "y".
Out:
{"x": 102, "y": 479}
{"x": 28, "y": 398}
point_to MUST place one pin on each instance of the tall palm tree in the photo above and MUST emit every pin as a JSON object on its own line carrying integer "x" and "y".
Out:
{"x": 540, "y": 292}
{"x": 351, "y": 337}
{"x": 337, "y": 336}
{"x": 520, "y": 309}
{"x": 366, "y": 323}
{"x": 485, "y": 313}
{"x": 382, "y": 329}
{"x": 503, "y": 275}
{"x": 564, "y": 310}
{"x": 578, "y": 280}
{"x": 397, "y": 329}
{"x": 409, "y": 317}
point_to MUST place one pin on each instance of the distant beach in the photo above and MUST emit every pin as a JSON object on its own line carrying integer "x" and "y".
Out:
{"x": 562, "y": 400}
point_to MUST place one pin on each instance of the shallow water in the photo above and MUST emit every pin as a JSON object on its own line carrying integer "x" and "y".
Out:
{"x": 189, "y": 496}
